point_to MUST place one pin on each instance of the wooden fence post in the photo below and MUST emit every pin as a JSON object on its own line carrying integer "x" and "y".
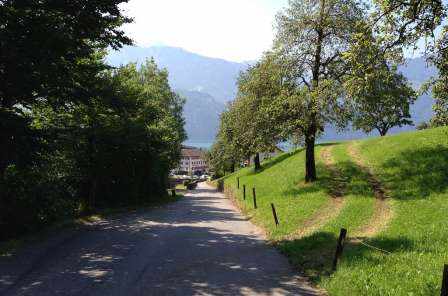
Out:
{"x": 444, "y": 290}
{"x": 274, "y": 213}
{"x": 238, "y": 182}
{"x": 244, "y": 192}
{"x": 220, "y": 185}
{"x": 255, "y": 198}
{"x": 339, "y": 247}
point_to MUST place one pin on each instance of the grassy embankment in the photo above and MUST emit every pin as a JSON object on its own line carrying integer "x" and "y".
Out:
{"x": 410, "y": 226}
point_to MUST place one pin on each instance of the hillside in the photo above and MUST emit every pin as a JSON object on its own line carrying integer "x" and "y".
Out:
{"x": 389, "y": 193}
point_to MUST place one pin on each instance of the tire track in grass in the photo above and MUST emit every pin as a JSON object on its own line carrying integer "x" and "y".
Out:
{"x": 382, "y": 213}
{"x": 336, "y": 202}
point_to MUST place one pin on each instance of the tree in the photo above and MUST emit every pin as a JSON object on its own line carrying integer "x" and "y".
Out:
{"x": 440, "y": 88}
{"x": 382, "y": 101}
{"x": 116, "y": 149}
{"x": 225, "y": 152}
{"x": 258, "y": 87}
{"x": 401, "y": 23}
{"x": 45, "y": 50}
{"x": 379, "y": 97}
{"x": 311, "y": 37}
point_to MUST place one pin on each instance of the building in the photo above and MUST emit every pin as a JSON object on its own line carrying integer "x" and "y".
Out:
{"x": 193, "y": 161}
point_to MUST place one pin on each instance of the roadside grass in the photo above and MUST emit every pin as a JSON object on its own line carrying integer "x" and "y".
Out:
{"x": 413, "y": 168}
{"x": 280, "y": 182}
{"x": 314, "y": 253}
{"x": 9, "y": 247}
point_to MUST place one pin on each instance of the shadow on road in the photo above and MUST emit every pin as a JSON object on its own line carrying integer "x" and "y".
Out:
{"x": 192, "y": 247}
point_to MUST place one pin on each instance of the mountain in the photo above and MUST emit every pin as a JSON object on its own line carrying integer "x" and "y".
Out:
{"x": 201, "y": 114}
{"x": 188, "y": 71}
{"x": 208, "y": 83}
{"x": 205, "y": 83}
{"x": 417, "y": 71}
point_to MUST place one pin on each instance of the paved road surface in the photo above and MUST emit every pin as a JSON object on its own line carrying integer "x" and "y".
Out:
{"x": 200, "y": 245}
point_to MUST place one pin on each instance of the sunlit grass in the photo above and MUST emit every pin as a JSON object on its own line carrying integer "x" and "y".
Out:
{"x": 281, "y": 183}
{"x": 413, "y": 166}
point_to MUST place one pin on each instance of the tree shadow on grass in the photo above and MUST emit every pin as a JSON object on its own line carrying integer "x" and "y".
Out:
{"x": 314, "y": 254}
{"x": 418, "y": 172}
{"x": 271, "y": 162}
{"x": 302, "y": 188}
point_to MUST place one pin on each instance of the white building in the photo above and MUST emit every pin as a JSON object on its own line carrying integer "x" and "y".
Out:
{"x": 193, "y": 161}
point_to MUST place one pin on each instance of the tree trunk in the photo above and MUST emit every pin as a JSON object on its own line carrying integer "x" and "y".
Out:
{"x": 257, "y": 161}
{"x": 383, "y": 131}
{"x": 92, "y": 194}
{"x": 4, "y": 153}
{"x": 310, "y": 175}
{"x": 6, "y": 137}
{"x": 310, "y": 135}
{"x": 232, "y": 167}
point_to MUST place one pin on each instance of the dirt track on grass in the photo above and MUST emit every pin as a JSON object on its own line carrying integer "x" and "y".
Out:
{"x": 382, "y": 213}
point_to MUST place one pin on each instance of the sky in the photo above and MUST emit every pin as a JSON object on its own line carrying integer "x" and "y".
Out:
{"x": 235, "y": 30}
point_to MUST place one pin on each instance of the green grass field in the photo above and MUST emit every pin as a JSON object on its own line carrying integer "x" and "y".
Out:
{"x": 412, "y": 166}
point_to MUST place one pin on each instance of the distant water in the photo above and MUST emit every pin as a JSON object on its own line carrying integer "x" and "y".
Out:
{"x": 204, "y": 145}
{"x": 330, "y": 135}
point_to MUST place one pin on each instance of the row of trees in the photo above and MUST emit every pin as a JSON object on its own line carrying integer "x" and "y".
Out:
{"x": 76, "y": 134}
{"x": 333, "y": 63}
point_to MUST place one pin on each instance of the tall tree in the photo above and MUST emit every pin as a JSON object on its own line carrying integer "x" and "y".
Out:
{"x": 311, "y": 37}
{"x": 258, "y": 88}
{"x": 45, "y": 47}
{"x": 226, "y": 151}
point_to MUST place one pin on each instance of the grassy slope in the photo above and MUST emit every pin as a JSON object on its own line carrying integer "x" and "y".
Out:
{"x": 281, "y": 183}
{"x": 412, "y": 165}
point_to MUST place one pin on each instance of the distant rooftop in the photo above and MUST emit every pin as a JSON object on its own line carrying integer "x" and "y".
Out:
{"x": 192, "y": 152}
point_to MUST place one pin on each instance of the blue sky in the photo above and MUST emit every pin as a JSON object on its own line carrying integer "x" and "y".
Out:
{"x": 237, "y": 30}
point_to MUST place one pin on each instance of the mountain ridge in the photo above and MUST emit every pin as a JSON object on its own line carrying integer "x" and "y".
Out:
{"x": 209, "y": 83}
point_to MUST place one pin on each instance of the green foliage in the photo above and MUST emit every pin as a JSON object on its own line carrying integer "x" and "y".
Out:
{"x": 311, "y": 37}
{"x": 258, "y": 87}
{"x": 253, "y": 123}
{"x": 401, "y": 24}
{"x": 43, "y": 42}
{"x": 116, "y": 150}
{"x": 379, "y": 97}
{"x": 332, "y": 62}
{"x": 76, "y": 135}
{"x": 440, "y": 88}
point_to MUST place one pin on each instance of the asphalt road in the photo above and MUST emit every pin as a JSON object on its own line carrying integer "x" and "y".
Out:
{"x": 200, "y": 245}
